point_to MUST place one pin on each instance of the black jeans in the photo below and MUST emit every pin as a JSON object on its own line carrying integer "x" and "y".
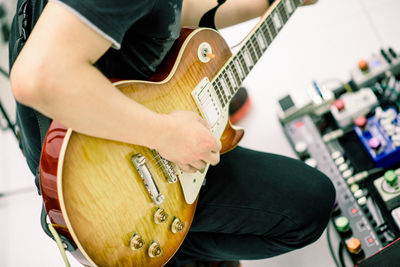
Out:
{"x": 257, "y": 205}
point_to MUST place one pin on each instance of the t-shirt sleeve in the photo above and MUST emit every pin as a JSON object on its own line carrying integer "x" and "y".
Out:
{"x": 110, "y": 18}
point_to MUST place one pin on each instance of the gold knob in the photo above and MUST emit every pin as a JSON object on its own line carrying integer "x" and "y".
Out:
{"x": 177, "y": 226}
{"x": 160, "y": 216}
{"x": 136, "y": 242}
{"x": 155, "y": 250}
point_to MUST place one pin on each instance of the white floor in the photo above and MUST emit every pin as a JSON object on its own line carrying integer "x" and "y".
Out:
{"x": 320, "y": 42}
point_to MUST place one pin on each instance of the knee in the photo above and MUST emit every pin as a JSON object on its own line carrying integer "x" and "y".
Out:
{"x": 311, "y": 210}
{"x": 316, "y": 209}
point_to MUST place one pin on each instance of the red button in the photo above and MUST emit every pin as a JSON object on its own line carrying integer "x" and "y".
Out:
{"x": 370, "y": 240}
{"x": 361, "y": 121}
{"x": 299, "y": 124}
{"x": 339, "y": 104}
{"x": 354, "y": 211}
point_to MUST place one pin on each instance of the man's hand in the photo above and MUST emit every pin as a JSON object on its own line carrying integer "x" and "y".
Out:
{"x": 188, "y": 141}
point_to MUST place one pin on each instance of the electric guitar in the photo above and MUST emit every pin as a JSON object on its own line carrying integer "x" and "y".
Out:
{"x": 123, "y": 204}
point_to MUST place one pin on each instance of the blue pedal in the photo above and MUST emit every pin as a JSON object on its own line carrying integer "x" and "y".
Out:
{"x": 381, "y": 137}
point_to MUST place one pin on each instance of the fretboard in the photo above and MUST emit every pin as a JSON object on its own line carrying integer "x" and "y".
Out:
{"x": 229, "y": 79}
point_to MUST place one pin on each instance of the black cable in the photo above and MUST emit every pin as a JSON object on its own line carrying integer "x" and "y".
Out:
{"x": 4, "y": 72}
{"x": 328, "y": 238}
{"x": 10, "y": 124}
{"x": 341, "y": 254}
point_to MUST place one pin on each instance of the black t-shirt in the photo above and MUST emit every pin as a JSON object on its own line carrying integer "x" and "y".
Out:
{"x": 142, "y": 33}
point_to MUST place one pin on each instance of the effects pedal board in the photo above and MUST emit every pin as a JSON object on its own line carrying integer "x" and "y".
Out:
{"x": 351, "y": 217}
{"x": 357, "y": 145}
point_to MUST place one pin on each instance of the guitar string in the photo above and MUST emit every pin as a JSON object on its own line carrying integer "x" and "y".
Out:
{"x": 268, "y": 21}
{"x": 190, "y": 99}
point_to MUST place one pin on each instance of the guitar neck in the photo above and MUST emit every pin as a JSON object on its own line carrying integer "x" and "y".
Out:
{"x": 229, "y": 79}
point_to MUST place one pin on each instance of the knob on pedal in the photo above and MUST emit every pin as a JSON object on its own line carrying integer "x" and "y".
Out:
{"x": 390, "y": 177}
{"x": 339, "y": 104}
{"x": 354, "y": 245}
{"x": 374, "y": 143}
{"x": 363, "y": 65}
{"x": 361, "y": 122}
{"x": 342, "y": 224}
{"x": 301, "y": 149}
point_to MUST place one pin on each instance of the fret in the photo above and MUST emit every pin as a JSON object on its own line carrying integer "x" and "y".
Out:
{"x": 282, "y": 12}
{"x": 276, "y": 20}
{"x": 267, "y": 35}
{"x": 261, "y": 40}
{"x": 224, "y": 98}
{"x": 231, "y": 79}
{"x": 217, "y": 90}
{"x": 243, "y": 64}
{"x": 289, "y": 6}
{"x": 271, "y": 28}
{"x": 247, "y": 58}
{"x": 251, "y": 52}
{"x": 254, "y": 42}
{"x": 239, "y": 68}
{"x": 228, "y": 82}
{"x": 235, "y": 73}
{"x": 225, "y": 88}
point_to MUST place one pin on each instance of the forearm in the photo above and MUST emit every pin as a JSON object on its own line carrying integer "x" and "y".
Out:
{"x": 81, "y": 98}
{"x": 230, "y": 13}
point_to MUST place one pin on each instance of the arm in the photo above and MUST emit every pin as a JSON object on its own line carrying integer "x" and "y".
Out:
{"x": 230, "y": 13}
{"x": 54, "y": 75}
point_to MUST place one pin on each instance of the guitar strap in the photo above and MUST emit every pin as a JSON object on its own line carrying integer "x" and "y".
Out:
{"x": 208, "y": 19}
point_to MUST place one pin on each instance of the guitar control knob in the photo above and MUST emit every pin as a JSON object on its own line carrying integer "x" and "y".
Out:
{"x": 155, "y": 250}
{"x": 177, "y": 226}
{"x": 160, "y": 216}
{"x": 136, "y": 242}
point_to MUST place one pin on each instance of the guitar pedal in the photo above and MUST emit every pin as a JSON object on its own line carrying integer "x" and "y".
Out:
{"x": 315, "y": 100}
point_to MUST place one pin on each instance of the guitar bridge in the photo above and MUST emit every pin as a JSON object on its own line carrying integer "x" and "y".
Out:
{"x": 139, "y": 161}
{"x": 167, "y": 168}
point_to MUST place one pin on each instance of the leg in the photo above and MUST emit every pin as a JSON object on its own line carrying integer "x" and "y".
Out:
{"x": 257, "y": 205}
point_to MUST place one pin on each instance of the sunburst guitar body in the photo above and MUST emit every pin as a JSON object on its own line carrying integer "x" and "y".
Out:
{"x": 123, "y": 204}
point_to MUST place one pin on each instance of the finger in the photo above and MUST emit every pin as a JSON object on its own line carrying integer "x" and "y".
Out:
{"x": 187, "y": 168}
{"x": 212, "y": 158}
{"x": 218, "y": 146}
{"x": 204, "y": 122}
{"x": 199, "y": 165}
